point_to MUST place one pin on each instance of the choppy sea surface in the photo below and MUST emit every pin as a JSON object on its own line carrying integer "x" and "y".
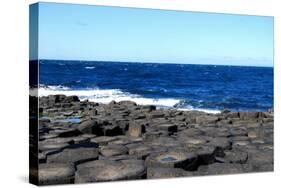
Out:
{"x": 209, "y": 88}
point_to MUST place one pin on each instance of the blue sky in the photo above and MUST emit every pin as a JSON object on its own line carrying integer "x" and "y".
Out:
{"x": 82, "y": 32}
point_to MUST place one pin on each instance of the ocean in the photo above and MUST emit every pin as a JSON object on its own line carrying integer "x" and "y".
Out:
{"x": 209, "y": 88}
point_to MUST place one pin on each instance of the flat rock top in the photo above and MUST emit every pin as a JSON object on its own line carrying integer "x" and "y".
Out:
{"x": 172, "y": 159}
{"x": 56, "y": 173}
{"x": 122, "y": 140}
{"x": 75, "y": 156}
{"x": 223, "y": 168}
{"x": 158, "y": 172}
{"x": 55, "y": 169}
{"x": 110, "y": 171}
{"x": 112, "y": 150}
{"x": 173, "y": 156}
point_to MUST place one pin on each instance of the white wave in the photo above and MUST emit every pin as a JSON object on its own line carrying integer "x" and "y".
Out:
{"x": 58, "y": 87}
{"x": 209, "y": 111}
{"x": 106, "y": 96}
{"x": 90, "y": 67}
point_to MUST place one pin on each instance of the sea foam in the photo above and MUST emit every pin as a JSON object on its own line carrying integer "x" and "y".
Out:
{"x": 107, "y": 95}
{"x": 90, "y": 67}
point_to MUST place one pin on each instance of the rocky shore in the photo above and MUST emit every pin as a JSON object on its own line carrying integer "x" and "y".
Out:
{"x": 81, "y": 141}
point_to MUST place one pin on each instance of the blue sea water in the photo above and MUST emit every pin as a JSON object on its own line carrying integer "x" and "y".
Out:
{"x": 209, "y": 88}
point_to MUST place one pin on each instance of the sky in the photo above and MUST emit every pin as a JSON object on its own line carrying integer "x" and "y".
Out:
{"x": 100, "y": 33}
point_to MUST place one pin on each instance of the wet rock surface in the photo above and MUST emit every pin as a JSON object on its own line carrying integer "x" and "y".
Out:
{"x": 81, "y": 141}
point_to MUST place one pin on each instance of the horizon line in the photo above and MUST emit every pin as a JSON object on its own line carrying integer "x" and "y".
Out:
{"x": 104, "y": 61}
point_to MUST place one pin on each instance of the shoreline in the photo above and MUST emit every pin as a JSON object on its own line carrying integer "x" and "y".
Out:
{"x": 146, "y": 142}
{"x": 94, "y": 95}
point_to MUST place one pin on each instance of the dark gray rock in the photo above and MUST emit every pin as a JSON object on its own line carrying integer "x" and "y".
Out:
{"x": 48, "y": 136}
{"x": 112, "y": 130}
{"x": 156, "y": 114}
{"x": 56, "y": 173}
{"x": 103, "y": 140}
{"x": 127, "y": 103}
{"x": 238, "y": 132}
{"x": 248, "y": 115}
{"x": 217, "y": 132}
{"x": 90, "y": 127}
{"x": 75, "y": 156}
{"x": 54, "y": 144}
{"x": 158, "y": 173}
{"x": 260, "y": 157}
{"x": 232, "y": 115}
{"x": 138, "y": 116}
{"x": 69, "y": 133}
{"x": 191, "y": 132}
{"x": 88, "y": 136}
{"x": 221, "y": 168}
{"x": 199, "y": 140}
{"x": 70, "y": 113}
{"x": 220, "y": 142}
{"x": 95, "y": 164}
{"x": 206, "y": 154}
{"x": 121, "y": 141}
{"x": 92, "y": 112}
{"x": 142, "y": 151}
{"x": 236, "y": 156}
{"x": 80, "y": 140}
{"x": 172, "y": 159}
{"x": 240, "y": 143}
{"x": 267, "y": 120}
{"x": 168, "y": 127}
{"x": 206, "y": 119}
{"x": 239, "y": 138}
{"x": 253, "y": 134}
{"x": 166, "y": 141}
{"x": 120, "y": 157}
{"x": 110, "y": 171}
{"x": 172, "y": 143}
{"x": 148, "y": 108}
{"x": 122, "y": 123}
{"x": 265, "y": 168}
{"x": 149, "y": 136}
{"x": 112, "y": 150}
{"x": 136, "y": 128}
{"x": 72, "y": 99}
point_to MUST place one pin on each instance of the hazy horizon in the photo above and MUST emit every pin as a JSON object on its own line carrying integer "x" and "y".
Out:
{"x": 182, "y": 63}
{"x": 102, "y": 33}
